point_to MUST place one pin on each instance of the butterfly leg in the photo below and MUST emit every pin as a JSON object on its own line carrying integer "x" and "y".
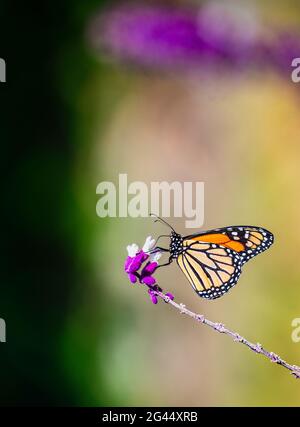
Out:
{"x": 158, "y": 249}
{"x": 167, "y": 263}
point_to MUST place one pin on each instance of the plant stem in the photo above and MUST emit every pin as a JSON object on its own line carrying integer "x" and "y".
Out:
{"x": 219, "y": 327}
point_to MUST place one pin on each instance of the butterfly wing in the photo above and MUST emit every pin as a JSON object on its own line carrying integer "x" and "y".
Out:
{"x": 212, "y": 261}
{"x": 212, "y": 270}
{"x": 247, "y": 241}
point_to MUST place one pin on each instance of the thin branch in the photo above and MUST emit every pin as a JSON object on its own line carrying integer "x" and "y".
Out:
{"x": 219, "y": 327}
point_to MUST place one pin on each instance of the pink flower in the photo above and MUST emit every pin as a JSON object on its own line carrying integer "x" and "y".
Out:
{"x": 140, "y": 266}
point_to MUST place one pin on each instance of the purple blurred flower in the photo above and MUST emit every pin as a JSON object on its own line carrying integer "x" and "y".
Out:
{"x": 140, "y": 266}
{"x": 286, "y": 48}
{"x": 153, "y": 36}
{"x": 165, "y": 37}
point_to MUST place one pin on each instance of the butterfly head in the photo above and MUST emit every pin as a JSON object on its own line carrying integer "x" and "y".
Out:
{"x": 176, "y": 244}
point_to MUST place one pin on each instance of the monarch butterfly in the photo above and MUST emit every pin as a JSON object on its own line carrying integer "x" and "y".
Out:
{"x": 212, "y": 260}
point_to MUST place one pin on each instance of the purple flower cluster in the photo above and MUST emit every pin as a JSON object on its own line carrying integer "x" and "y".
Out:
{"x": 140, "y": 266}
{"x": 158, "y": 36}
{"x": 133, "y": 264}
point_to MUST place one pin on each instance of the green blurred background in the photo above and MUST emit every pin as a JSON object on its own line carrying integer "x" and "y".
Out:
{"x": 77, "y": 332}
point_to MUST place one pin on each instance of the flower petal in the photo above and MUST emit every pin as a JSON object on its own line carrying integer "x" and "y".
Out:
{"x": 149, "y": 268}
{"x": 155, "y": 257}
{"x": 141, "y": 256}
{"x": 148, "y": 280}
{"x": 132, "y": 250}
{"x": 153, "y": 296}
{"x": 149, "y": 243}
{"x": 133, "y": 266}
{"x": 154, "y": 299}
{"x": 132, "y": 278}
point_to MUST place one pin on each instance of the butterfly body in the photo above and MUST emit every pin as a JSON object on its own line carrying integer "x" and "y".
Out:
{"x": 176, "y": 244}
{"x": 212, "y": 260}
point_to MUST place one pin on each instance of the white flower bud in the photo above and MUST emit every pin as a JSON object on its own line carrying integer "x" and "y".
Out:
{"x": 132, "y": 250}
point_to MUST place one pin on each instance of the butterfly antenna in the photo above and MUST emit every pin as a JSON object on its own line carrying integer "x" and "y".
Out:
{"x": 162, "y": 235}
{"x": 162, "y": 221}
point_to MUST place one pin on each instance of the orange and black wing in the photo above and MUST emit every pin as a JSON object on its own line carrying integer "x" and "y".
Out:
{"x": 247, "y": 241}
{"x": 212, "y": 261}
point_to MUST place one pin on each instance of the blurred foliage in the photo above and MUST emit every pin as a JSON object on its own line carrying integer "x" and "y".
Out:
{"x": 45, "y": 362}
